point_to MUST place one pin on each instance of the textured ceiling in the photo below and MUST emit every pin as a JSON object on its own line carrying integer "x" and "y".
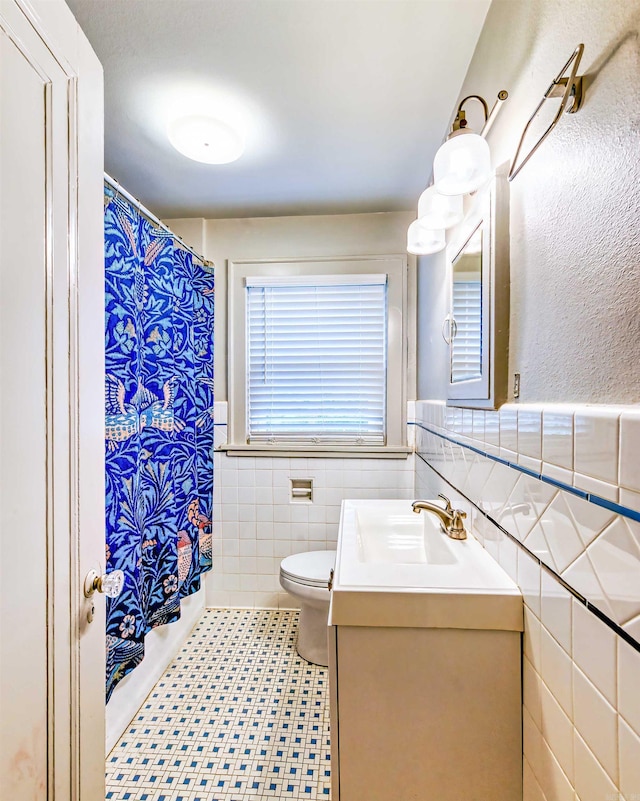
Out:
{"x": 344, "y": 102}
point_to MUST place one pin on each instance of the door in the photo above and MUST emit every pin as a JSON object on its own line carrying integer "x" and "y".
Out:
{"x": 51, "y": 402}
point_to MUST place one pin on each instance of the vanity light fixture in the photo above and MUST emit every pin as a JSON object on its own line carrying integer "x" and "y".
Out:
{"x": 569, "y": 89}
{"x": 421, "y": 241}
{"x": 206, "y": 139}
{"x": 463, "y": 163}
{"x": 439, "y": 211}
{"x": 461, "y": 166}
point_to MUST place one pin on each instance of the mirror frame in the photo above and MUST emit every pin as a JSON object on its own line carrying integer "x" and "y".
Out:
{"x": 489, "y": 209}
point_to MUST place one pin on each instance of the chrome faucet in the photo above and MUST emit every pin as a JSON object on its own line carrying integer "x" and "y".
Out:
{"x": 450, "y": 518}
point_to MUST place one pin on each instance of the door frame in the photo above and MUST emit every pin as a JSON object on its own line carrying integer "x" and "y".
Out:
{"x": 49, "y": 37}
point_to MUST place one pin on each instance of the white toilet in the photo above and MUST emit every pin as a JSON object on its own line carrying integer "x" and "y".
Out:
{"x": 306, "y": 577}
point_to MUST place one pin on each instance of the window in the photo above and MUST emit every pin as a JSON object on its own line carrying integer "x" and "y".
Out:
{"x": 316, "y": 356}
{"x": 317, "y": 359}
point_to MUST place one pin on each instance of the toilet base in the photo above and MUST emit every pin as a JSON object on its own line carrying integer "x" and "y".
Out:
{"x": 312, "y": 634}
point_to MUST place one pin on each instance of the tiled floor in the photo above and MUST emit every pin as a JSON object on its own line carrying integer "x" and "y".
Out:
{"x": 238, "y": 716}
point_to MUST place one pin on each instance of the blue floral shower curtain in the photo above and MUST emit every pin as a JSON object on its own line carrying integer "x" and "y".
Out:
{"x": 159, "y": 428}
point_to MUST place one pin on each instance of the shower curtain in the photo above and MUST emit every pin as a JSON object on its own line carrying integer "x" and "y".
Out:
{"x": 159, "y": 428}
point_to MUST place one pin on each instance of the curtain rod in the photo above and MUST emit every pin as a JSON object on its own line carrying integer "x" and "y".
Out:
{"x": 119, "y": 189}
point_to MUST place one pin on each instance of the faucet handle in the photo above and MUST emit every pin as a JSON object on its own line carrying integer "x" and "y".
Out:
{"x": 447, "y": 502}
{"x": 456, "y": 529}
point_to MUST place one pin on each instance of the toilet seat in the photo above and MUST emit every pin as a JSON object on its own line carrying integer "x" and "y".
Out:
{"x": 311, "y": 569}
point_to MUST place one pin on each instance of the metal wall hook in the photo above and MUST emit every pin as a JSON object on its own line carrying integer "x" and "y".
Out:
{"x": 568, "y": 88}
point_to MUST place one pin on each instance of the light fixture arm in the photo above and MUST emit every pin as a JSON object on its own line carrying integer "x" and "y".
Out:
{"x": 460, "y": 121}
{"x": 564, "y": 87}
{"x": 502, "y": 96}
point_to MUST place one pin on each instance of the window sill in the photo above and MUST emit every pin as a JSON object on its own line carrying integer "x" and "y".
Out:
{"x": 317, "y": 451}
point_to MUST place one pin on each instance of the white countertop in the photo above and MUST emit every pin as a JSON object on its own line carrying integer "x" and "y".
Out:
{"x": 397, "y": 568}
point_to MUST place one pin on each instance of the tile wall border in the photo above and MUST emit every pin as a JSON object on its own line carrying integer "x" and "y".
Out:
{"x": 612, "y": 506}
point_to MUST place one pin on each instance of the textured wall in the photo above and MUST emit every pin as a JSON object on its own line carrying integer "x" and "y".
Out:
{"x": 575, "y": 250}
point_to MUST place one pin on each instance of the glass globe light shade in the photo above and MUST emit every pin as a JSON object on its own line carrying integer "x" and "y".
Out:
{"x": 462, "y": 164}
{"x": 439, "y": 211}
{"x": 206, "y": 139}
{"x": 421, "y": 241}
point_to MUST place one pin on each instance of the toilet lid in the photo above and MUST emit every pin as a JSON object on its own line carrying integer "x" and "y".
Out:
{"x": 311, "y": 568}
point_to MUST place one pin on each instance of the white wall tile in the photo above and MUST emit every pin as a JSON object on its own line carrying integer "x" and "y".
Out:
{"x": 528, "y": 579}
{"x": 629, "y": 765}
{"x": 553, "y": 780}
{"x": 596, "y": 487}
{"x": 581, "y": 575}
{"x": 557, "y": 671}
{"x": 531, "y": 639}
{"x": 557, "y": 473}
{"x": 532, "y": 692}
{"x": 590, "y": 519}
{"x": 264, "y": 547}
{"x": 508, "y": 557}
{"x": 492, "y": 428}
{"x": 478, "y": 424}
{"x": 535, "y": 465}
{"x": 555, "y": 609}
{"x": 594, "y": 650}
{"x": 526, "y": 503}
{"x": 509, "y": 428}
{"x": 615, "y": 556}
{"x": 630, "y": 499}
{"x": 596, "y": 721}
{"x": 632, "y": 628}
{"x": 254, "y": 515}
{"x": 557, "y": 437}
{"x": 531, "y": 790}
{"x": 591, "y": 780}
{"x": 530, "y": 432}
{"x": 629, "y": 475}
{"x": 557, "y": 730}
{"x": 560, "y": 533}
{"x": 629, "y": 684}
{"x": 596, "y": 443}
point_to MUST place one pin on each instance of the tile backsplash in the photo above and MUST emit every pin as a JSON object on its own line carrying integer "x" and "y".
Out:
{"x": 578, "y": 522}
{"x": 257, "y": 522}
{"x": 552, "y": 492}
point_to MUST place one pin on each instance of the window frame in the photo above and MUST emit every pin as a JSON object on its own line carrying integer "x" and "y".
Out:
{"x": 395, "y": 268}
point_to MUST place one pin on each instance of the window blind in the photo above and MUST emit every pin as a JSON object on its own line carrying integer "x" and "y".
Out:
{"x": 317, "y": 357}
{"x": 466, "y": 351}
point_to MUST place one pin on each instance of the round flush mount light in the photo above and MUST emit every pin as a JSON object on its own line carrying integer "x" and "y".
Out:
{"x": 206, "y": 139}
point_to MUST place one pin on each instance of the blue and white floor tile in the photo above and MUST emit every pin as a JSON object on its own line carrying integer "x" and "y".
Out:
{"x": 238, "y": 716}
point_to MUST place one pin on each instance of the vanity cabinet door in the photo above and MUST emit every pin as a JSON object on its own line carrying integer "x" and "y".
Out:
{"x": 425, "y": 713}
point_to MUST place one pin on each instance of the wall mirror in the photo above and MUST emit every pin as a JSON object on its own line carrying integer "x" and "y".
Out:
{"x": 477, "y": 326}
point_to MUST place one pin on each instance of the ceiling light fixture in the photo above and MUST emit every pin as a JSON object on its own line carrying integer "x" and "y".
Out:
{"x": 463, "y": 163}
{"x": 206, "y": 139}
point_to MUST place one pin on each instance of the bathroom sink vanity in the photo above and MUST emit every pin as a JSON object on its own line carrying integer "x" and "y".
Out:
{"x": 424, "y": 660}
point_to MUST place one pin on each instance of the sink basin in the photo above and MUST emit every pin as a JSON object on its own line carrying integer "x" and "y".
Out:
{"x": 397, "y": 568}
{"x": 395, "y": 535}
